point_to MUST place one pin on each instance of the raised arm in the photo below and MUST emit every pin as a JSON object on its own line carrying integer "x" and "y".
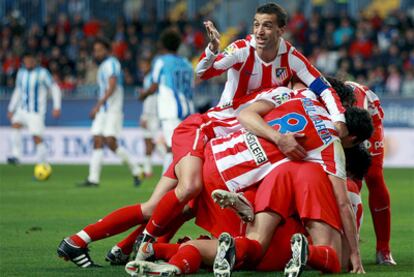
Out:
{"x": 212, "y": 63}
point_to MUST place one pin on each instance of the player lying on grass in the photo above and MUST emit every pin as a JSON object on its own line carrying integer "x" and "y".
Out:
{"x": 188, "y": 257}
{"x": 242, "y": 159}
{"x": 189, "y": 139}
{"x": 219, "y": 121}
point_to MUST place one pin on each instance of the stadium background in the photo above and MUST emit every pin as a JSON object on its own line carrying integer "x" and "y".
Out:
{"x": 378, "y": 50}
{"x": 371, "y": 42}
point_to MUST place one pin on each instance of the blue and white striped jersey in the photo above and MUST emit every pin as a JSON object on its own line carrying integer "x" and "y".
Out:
{"x": 108, "y": 68}
{"x": 30, "y": 93}
{"x": 174, "y": 76}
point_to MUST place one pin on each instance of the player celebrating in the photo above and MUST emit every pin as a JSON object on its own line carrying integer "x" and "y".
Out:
{"x": 379, "y": 196}
{"x": 27, "y": 107}
{"x": 107, "y": 114}
{"x": 265, "y": 60}
{"x": 172, "y": 77}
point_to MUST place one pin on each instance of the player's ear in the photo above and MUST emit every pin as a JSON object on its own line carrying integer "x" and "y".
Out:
{"x": 281, "y": 30}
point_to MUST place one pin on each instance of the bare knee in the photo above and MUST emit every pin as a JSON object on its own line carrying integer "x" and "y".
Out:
{"x": 98, "y": 142}
{"x": 188, "y": 189}
{"x": 37, "y": 139}
{"x": 111, "y": 143}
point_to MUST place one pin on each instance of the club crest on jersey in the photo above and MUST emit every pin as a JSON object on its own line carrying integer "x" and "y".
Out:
{"x": 255, "y": 148}
{"x": 281, "y": 73}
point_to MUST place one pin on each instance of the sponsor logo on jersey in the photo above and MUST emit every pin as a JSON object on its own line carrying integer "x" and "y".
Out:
{"x": 281, "y": 98}
{"x": 229, "y": 49}
{"x": 255, "y": 148}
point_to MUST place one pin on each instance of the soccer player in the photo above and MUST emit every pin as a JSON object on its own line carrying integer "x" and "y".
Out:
{"x": 252, "y": 64}
{"x": 265, "y": 60}
{"x": 149, "y": 117}
{"x": 107, "y": 115}
{"x": 241, "y": 159}
{"x": 172, "y": 76}
{"x": 27, "y": 107}
{"x": 379, "y": 196}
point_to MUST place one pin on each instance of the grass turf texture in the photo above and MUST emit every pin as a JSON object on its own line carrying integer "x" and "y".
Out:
{"x": 35, "y": 216}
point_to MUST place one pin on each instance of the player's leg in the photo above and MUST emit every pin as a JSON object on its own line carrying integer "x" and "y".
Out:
{"x": 36, "y": 128}
{"x": 18, "y": 121}
{"x": 189, "y": 173}
{"x": 111, "y": 130}
{"x": 16, "y": 144}
{"x": 380, "y": 206}
{"x": 325, "y": 253}
{"x": 121, "y": 152}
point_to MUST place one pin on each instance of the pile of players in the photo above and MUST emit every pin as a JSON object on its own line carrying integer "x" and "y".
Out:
{"x": 272, "y": 156}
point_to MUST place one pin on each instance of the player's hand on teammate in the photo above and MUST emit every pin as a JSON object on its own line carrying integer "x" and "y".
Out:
{"x": 356, "y": 262}
{"x": 56, "y": 113}
{"x": 213, "y": 35}
{"x": 341, "y": 128}
{"x": 289, "y": 146}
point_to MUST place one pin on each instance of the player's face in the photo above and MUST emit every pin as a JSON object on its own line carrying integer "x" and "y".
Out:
{"x": 99, "y": 52}
{"x": 29, "y": 62}
{"x": 266, "y": 31}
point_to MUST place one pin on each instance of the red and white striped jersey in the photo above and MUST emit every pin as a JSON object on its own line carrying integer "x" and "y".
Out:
{"x": 222, "y": 120}
{"x": 368, "y": 100}
{"x": 247, "y": 72}
{"x": 243, "y": 159}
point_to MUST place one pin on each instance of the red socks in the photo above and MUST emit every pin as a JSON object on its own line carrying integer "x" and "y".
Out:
{"x": 187, "y": 259}
{"x": 165, "y": 251}
{"x": 247, "y": 251}
{"x": 112, "y": 224}
{"x": 324, "y": 258}
{"x": 166, "y": 211}
{"x": 379, "y": 204}
{"x": 127, "y": 243}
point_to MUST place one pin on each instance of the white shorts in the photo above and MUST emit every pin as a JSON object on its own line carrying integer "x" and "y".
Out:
{"x": 107, "y": 124}
{"x": 152, "y": 126}
{"x": 168, "y": 126}
{"x": 35, "y": 122}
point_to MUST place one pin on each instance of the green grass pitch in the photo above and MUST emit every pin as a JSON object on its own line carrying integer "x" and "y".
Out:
{"x": 35, "y": 216}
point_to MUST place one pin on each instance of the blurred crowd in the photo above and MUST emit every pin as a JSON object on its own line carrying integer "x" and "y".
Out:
{"x": 375, "y": 51}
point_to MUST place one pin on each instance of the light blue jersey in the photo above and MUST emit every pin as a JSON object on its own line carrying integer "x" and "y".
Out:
{"x": 31, "y": 91}
{"x": 174, "y": 76}
{"x": 108, "y": 68}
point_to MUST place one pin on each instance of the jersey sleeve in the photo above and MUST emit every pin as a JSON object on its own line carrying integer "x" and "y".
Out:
{"x": 15, "y": 99}
{"x": 53, "y": 89}
{"x": 113, "y": 68}
{"x": 211, "y": 65}
{"x": 309, "y": 75}
{"x": 157, "y": 71}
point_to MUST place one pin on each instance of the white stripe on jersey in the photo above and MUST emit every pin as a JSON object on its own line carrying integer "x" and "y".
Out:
{"x": 110, "y": 67}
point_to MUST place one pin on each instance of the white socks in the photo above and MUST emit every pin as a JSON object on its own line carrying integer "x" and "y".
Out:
{"x": 147, "y": 164}
{"x": 41, "y": 153}
{"x": 123, "y": 155}
{"x": 95, "y": 165}
{"x": 16, "y": 143}
{"x": 167, "y": 161}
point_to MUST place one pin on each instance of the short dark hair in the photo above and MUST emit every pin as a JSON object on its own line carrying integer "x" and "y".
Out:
{"x": 359, "y": 123}
{"x": 358, "y": 161}
{"x": 104, "y": 42}
{"x": 273, "y": 8}
{"x": 170, "y": 39}
{"x": 29, "y": 53}
{"x": 345, "y": 93}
